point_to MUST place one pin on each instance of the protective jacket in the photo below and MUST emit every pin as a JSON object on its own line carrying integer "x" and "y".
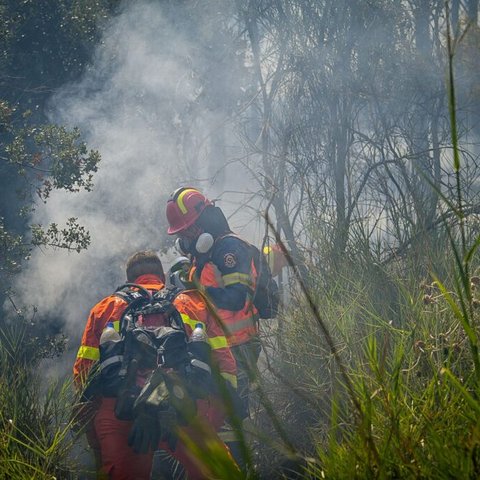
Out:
{"x": 190, "y": 305}
{"x": 193, "y": 309}
{"x": 229, "y": 277}
{"x": 110, "y": 309}
{"x": 118, "y": 459}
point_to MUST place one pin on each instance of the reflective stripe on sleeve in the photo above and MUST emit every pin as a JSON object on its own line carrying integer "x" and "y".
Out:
{"x": 232, "y": 278}
{"x": 218, "y": 342}
{"x": 215, "y": 342}
{"x": 190, "y": 321}
{"x": 88, "y": 353}
{"x": 110, "y": 361}
{"x": 229, "y": 377}
{"x": 248, "y": 322}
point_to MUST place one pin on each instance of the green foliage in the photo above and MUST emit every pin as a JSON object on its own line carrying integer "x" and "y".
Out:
{"x": 48, "y": 156}
{"x": 412, "y": 379}
{"x": 43, "y": 158}
{"x": 13, "y": 251}
{"x": 47, "y": 43}
{"x": 35, "y": 438}
{"x": 43, "y": 45}
{"x": 56, "y": 158}
{"x": 72, "y": 237}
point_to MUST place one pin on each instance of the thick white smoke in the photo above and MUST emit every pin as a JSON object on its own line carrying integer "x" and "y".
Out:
{"x": 127, "y": 105}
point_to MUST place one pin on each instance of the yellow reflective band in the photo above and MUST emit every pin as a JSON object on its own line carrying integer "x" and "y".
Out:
{"x": 240, "y": 325}
{"x": 218, "y": 276}
{"x": 218, "y": 342}
{"x": 267, "y": 250}
{"x": 180, "y": 203}
{"x": 231, "y": 278}
{"x": 232, "y": 379}
{"x": 89, "y": 353}
{"x": 215, "y": 342}
{"x": 190, "y": 321}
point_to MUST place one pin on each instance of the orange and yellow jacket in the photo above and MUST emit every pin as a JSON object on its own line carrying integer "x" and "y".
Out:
{"x": 192, "y": 308}
{"x": 229, "y": 276}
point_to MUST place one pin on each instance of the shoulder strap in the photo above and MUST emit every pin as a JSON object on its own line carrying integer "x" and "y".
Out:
{"x": 134, "y": 295}
{"x": 162, "y": 302}
{"x": 228, "y": 235}
{"x": 167, "y": 293}
{"x": 233, "y": 235}
{"x": 131, "y": 292}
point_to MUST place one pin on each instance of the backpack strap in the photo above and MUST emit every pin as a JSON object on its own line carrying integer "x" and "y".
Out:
{"x": 168, "y": 293}
{"x": 134, "y": 295}
{"x": 127, "y": 292}
{"x": 167, "y": 296}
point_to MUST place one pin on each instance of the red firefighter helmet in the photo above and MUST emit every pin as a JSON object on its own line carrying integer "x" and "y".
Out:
{"x": 184, "y": 207}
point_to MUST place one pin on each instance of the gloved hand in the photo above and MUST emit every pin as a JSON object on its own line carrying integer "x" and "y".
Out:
{"x": 168, "y": 421}
{"x": 145, "y": 433}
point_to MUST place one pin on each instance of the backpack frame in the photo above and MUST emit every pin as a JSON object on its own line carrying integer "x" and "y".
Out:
{"x": 141, "y": 348}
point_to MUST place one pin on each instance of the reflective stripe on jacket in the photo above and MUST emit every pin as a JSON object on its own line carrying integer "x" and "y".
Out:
{"x": 110, "y": 309}
{"x": 191, "y": 306}
{"x": 239, "y": 326}
{"x": 193, "y": 310}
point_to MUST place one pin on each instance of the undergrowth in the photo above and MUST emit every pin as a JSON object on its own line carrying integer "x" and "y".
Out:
{"x": 35, "y": 433}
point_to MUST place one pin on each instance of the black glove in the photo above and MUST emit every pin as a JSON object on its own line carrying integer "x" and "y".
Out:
{"x": 145, "y": 434}
{"x": 149, "y": 429}
{"x": 168, "y": 422}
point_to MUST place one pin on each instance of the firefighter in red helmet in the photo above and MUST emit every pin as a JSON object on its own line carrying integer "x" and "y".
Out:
{"x": 223, "y": 261}
{"x": 184, "y": 209}
{"x": 225, "y": 271}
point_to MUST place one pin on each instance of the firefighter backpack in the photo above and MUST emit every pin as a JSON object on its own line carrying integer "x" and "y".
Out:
{"x": 152, "y": 336}
{"x": 266, "y": 296}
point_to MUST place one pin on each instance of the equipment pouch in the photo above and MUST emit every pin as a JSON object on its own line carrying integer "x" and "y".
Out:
{"x": 128, "y": 393}
{"x": 199, "y": 379}
{"x": 179, "y": 397}
{"x": 172, "y": 347}
{"x": 125, "y": 402}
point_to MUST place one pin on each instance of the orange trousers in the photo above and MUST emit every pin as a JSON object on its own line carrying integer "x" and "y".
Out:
{"x": 120, "y": 462}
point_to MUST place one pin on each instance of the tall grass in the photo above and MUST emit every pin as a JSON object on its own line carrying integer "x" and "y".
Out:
{"x": 35, "y": 437}
{"x": 367, "y": 390}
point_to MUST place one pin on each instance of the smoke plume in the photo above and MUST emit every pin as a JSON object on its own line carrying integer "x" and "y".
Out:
{"x": 129, "y": 105}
